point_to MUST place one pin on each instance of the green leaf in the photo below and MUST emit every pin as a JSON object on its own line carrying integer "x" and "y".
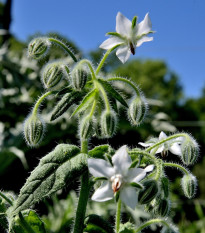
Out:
{"x": 113, "y": 92}
{"x": 63, "y": 105}
{"x": 32, "y": 220}
{"x": 57, "y": 169}
{"x": 65, "y": 90}
{"x": 99, "y": 151}
{"x": 85, "y": 102}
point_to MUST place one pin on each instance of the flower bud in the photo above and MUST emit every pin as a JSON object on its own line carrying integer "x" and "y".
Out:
{"x": 79, "y": 77}
{"x": 86, "y": 127}
{"x": 163, "y": 207}
{"x": 190, "y": 151}
{"x": 97, "y": 129}
{"x": 165, "y": 186}
{"x": 149, "y": 192}
{"x": 38, "y": 47}
{"x": 108, "y": 124}
{"x": 33, "y": 130}
{"x": 52, "y": 74}
{"x": 189, "y": 184}
{"x": 137, "y": 110}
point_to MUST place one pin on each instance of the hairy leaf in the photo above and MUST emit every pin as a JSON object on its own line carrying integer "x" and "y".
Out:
{"x": 99, "y": 151}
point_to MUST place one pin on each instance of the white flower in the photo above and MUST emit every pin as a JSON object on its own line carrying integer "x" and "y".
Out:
{"x": 119, "y": 177}
{"x": 173, "y": 146}
{"x": 129, "y": 35}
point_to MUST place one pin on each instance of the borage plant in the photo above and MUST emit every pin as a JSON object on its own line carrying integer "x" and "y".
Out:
{"x": 130, "y": 176}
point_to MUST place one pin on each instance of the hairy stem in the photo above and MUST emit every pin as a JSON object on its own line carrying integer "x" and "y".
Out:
{"x": 177, "y": 166}
{"x": 85, "y": 61}
{"x": 150, "y": 222}
{"x": 117, "y": 220}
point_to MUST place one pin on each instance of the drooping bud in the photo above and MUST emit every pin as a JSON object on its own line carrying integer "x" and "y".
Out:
{"x": 137, "y": 110}
{"x": 38, "y": 47}
{"x": 52, "y": 74}
{"x": 86, "y": 127}
{"x": 108, "y": 124}
{"x": 190, "y": 150}
{"x": 163, "y": 207}
{"x": 33, "y": 130}
{"x": 79, "y": 77}
{"x": 97, "y": 129}
{"x": 189, "y": 184}
{"x": 149, "y": 192}
{"x": 165, "y": 186}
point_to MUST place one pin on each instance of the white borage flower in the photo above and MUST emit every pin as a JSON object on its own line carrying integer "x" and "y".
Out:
{"x": 119, "y": 177}
{"x": 173, "y": 145}
{"x": 129, "y": 35}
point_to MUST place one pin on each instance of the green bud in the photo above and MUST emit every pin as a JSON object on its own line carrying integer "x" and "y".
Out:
{"x": 189, "y": 184}
{"x": 108, "y": 124}
{"x": 163, "y": 207}
{"x": 190, "y": 151}
{"x": 97, "y": 129}
{"x": 33, "y": 130}
{"x": 149, "y": 192}
{"x": 165, "y": 186}
{"x": 38, "y": 47}
{"x": 52, "y": 74}
{"x": 137, "y": 110}
{"x": 79, "y": 77}
{"x": 86, "y": 127}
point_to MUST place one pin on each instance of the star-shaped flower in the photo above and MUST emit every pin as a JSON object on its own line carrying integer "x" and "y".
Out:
{"x": 173, "y": 145}
{"x": 119, "y": 177}
{"x": 129, "y": 35}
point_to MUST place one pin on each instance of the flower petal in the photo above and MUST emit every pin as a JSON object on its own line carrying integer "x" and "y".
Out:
{"x": 129, "y": 196}
{"x": 175, "y": 149}
{"x": 103, "y": 193}
{"x": 143, "y": 39}
{"x": 159, "y": 150}
{"x": 123, "y": 25}
{"x": 149, "y": 168}
{"x": 162, "y": 136}
{"x": 145, "y": 26}
{"x": 100, "y": 168}
{"x": 123, "y": 53}
{"x": 111, "y": 42}
{"x": 135, "y": 174}
{"x": 121, "y": 161}
{"x": 145, "y": 144}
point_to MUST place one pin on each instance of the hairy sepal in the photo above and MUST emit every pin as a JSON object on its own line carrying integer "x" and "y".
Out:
{"x": 99, "y": 152}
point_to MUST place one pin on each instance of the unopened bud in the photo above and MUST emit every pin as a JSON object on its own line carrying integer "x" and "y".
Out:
{"x": 149, "y": 192}
{"x": 86, "y": 127}
{"x": 163, "y": 207}
{"x": 165, "y": 186}
{"x": 38, "y": 47}
{"x": 97, "y": 129}
{"x": 108, "y": 124}
{"x": 189, "y": 184}
{"x": 79, "y": 77}
{"x": 190, "y": 151}
{"x": 52, "y": 74}
{"x": 33, "y": 130}
{"x": 137, "y": 110}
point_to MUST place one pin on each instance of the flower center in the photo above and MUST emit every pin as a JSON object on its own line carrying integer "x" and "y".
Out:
{"x": 132, "y": 48}
{"x": 116, "y": 182}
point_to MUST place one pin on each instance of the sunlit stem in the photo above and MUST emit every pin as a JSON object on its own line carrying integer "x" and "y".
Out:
{"x": 64, "y": 47}
{"x": 6, "y": 198}
{"x": 99, "y": 86}
{"x": 104, "y": 58}
{"x": 117, "y": 220}
{"x": 150, "y": 222}
{"x": 177, "y": 166}
{"x": 93, "y": 108}
{"x": 85, "y": 61}
{"x": 25, "y": 225}
{"x": 35, "y": 109}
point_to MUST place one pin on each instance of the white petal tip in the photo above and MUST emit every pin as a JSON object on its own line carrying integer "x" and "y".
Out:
{"x": 149, "y": 168}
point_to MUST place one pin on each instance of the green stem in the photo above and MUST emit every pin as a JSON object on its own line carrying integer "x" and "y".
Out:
{"x": 35, "y": 109}
{"x": 6, "y": 198}
{"x": 93, "y": 108}
{"x": 90, "y": 67}
{"x": 64, "y": 47}
{"x": 165, "y": 140}
{"x": 117, "y": 223}
{"x": 99, "y": 86}
{"x": 83, "y": 197}
{"x": 177, "y": 166}
{"x": 104, "y": 58}
{"x": 150, "y": 222}
{"x": 25, "y": 225}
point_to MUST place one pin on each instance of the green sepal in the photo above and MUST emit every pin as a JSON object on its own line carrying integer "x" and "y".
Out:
{"x": 64, "y": 91}
{"x": 165, "y": 186}
{"x": 85, "y": 102}
{"x": 134, "y": 21}
{"x": 31, "y": 219}
{"x": 95, "y": 223}
{"x": 115, "y": 34}
{"x": 95, "y": 179}
{"x": 113, "y": 92}
{"x": 113, "y": 102}
{"x": 117, "y": 196}
{"x": 99, "y": 151}
{"x": 62, "y": 106}
{"x": 137, "y": 185}
{"x": 56, "y": 170}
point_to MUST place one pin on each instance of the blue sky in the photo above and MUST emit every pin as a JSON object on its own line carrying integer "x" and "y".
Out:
{"x": 179, "y": 26}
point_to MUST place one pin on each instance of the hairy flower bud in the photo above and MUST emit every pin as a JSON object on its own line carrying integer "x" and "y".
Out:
{"x": 137, "y": 110}
{"x": 86, "y": 127}
{"x": 149, "y": 192}
{"x": 33, "y": 130}
{"x": 165, "y": 186}
{"x": 190, "y": 151}
{"x": 38, "y": 47}
{"x": 97, "y": 129}
{"x": 189, "y": 184}
{"x": 162, "y": 207}
{"x": 79, "y": 77}
{"x": 108, "y": 123}
{"x": 52, "y": 74}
